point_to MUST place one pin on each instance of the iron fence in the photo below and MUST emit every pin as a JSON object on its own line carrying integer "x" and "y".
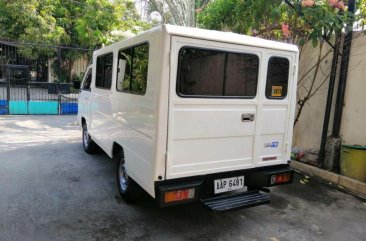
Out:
{"x": 43, "y": 85}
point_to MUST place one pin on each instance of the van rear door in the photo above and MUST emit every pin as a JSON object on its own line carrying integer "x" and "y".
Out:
{"x": 219, "y": 116}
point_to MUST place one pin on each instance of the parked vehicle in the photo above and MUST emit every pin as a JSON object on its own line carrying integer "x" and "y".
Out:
{"x": 192, "y": 114}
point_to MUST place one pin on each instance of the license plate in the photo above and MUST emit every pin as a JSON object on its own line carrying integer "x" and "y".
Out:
{"x": 228, "y": 184}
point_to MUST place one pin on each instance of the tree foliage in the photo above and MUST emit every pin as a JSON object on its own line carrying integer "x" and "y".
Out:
{"x": 361, "y": 14}
{"x": 239, "y": 16}
{"x": 296, "y": 22}
{"x": 81, "y": 23}
{"x": 30, "y": 21}
{"x": 177, "y": 12}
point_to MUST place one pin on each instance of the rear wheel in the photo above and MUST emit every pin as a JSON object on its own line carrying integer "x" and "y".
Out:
{"x": 88, "y": 144}
{"x": 128, "y": 188}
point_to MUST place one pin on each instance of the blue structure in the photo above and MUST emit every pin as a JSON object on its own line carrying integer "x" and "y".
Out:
{"x": 3, "y": 107}
{"x": 18, "y": 107}
{"x": 69, "y": 108}
{"x": 43, "y": 108}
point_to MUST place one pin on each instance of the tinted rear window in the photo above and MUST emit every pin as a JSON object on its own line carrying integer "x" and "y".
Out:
{"x": 216, "y": 73}
{"x": 277, "y": 78}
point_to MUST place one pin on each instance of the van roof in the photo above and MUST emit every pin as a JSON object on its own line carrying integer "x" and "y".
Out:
{"x": 227, "y": 37}
{"x": 212, "y": 35}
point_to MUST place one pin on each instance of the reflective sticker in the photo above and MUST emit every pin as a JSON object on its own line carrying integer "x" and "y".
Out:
{"x": 276, "y": 91}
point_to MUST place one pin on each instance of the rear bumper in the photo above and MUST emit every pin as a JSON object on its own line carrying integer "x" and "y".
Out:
{"x": 255, "y": 179}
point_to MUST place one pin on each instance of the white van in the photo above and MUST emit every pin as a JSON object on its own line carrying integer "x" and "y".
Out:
{"x": 192, "y": 114}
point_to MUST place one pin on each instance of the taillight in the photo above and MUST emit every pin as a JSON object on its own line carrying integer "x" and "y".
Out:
{"x": 179, "y": 195}
{"x": 280, "y": 178}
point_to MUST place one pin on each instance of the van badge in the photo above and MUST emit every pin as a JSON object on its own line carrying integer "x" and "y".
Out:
{"x": 273, "y": 144}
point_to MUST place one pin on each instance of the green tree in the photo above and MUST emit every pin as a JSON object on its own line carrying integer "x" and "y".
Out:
{"x": 305, "y": 20}
{"x": 177, "y": 12}
{"x": 91, "y": 23}
{"x": 82, "y": 23}
{"x": 295, "y": 21}
{"x": 30, "y": 21}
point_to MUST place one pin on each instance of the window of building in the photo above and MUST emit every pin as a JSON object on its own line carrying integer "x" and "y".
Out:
{"x": 132, "y": 69}
{"x": 216, "y": 73}
{"x": 277, "y": 78}
{"x": 103, "y": 75}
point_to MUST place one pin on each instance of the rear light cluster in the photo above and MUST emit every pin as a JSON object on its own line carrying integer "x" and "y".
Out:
{"x": 179, "y": 195}
{"x": 281, "y": 178}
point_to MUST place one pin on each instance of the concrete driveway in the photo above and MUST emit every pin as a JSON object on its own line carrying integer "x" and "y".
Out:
{"x": 51, "y": 190}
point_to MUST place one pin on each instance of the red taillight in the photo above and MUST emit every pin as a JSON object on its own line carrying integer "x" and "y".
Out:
{"x": 280, "y": 178}
{"x": 179, "y": 195}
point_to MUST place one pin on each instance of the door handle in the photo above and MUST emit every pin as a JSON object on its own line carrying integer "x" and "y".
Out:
{"x": 247, "y": 117}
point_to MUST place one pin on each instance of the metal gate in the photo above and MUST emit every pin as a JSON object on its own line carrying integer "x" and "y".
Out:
{"x": 42, "y": 84}
{"x": 20, "y": 96}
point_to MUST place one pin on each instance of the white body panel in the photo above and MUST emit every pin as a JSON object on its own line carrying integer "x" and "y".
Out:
{"x": 165, "y": 136}
{"x": 207, "y": 135}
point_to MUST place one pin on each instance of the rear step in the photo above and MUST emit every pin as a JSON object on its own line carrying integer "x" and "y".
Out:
{"x": 236, "y": 201}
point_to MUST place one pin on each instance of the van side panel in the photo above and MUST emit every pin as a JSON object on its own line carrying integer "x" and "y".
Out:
{"x": 128, "y": 119}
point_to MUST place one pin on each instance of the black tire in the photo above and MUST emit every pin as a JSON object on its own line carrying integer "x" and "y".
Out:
{"x": 88, "y": 144}
{"x": 128, "y": 189}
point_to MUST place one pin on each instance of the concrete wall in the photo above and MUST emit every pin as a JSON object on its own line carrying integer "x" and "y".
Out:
{"x": 353, "y": 127}
{"x": 307, "y": 132}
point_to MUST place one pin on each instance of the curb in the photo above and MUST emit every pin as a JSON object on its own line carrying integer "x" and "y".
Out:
{"x": 343, "y": 183}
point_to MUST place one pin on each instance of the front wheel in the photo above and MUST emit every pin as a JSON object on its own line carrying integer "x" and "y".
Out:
{"x": 128, "y": 188}
{"x": 88, "y": 144}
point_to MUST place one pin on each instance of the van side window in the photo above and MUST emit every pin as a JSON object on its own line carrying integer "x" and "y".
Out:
{"x": 87, "y": 81}
{"x": 216, "y": 73}
{"x": 103, "y": 75}
{"x": 277, "y": 78}
{"x": 132, "y": 69}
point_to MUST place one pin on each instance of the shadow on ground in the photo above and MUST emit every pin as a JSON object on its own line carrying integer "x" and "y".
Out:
{"x": 52, "y": 190}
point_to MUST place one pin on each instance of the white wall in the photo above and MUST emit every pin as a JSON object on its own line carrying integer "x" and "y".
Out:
{"x": 353, "y": 127}
{"x": 307, "y": 132}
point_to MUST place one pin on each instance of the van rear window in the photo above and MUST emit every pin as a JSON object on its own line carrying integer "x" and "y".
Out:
{"x": 216, "y": 73}
{"x": 277, "y": 78}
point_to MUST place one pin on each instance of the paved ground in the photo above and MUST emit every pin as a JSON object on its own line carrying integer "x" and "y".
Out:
{"x": 51, "y": 190}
